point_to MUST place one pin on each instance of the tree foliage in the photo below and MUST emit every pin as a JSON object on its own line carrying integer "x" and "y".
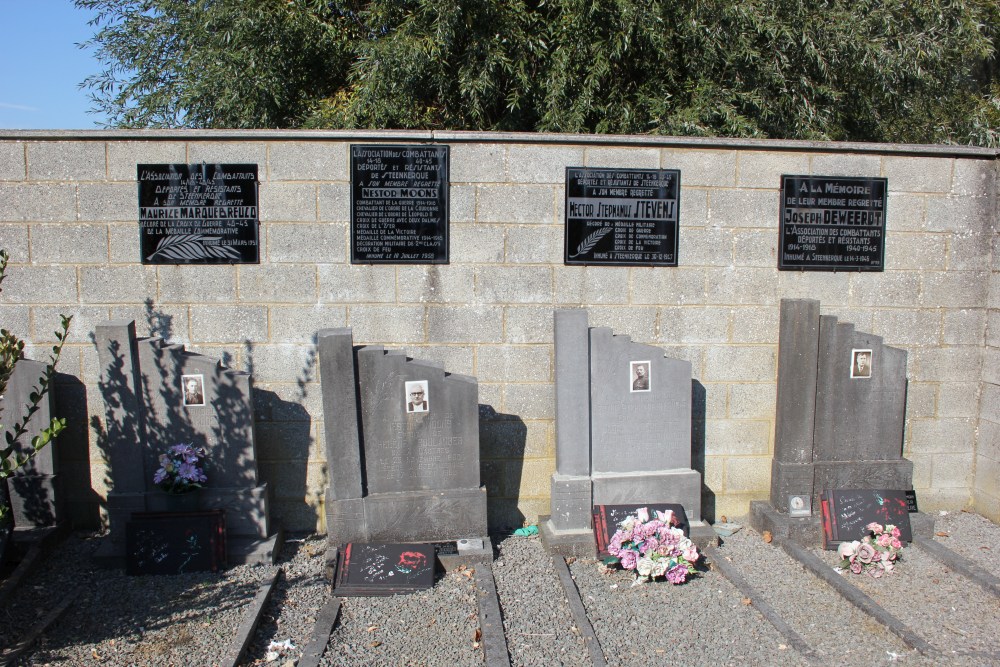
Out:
{"x": 868, "y": 70}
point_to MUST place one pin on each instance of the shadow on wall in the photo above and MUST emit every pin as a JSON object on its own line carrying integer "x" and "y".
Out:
{"x": 80, "y": 503}
{"x": 502, "y": 440}
{"x": 698, "y": 407}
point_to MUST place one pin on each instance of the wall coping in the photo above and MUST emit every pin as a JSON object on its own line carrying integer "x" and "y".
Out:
{"x": 453, "y": 137}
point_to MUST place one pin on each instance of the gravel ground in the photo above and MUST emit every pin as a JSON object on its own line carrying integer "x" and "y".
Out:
{"x": 190, "y": 619}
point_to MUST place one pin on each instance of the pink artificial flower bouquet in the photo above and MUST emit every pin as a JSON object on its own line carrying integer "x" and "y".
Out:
{"x": 653, "y": 547}
{"x": 875, "y": 554}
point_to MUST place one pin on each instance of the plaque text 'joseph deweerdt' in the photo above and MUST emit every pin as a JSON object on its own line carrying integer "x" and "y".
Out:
{"x": 399, "y": 204}
{"x": 198, "y": 213}
{"x": 622, "y": 216}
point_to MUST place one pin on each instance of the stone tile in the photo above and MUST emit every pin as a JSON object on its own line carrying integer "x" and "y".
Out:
{"x": 755, "y": 324}
{"x": 953, "y": 364}
{"x": 708, "y": 168}
{"x": 308, "y": 161}
{"x": 737, "y": 437}
{"x": 744, "y": 208}
{"x": 908, "y": 327}
{"x": 957, "y": 214}
{"x": 529, "y": 401}
{"x": 67, "y": 161}
{"x": 322, "y": 243}
{"x": 753, "y": 401}
{"x": 891, "y": 288}
{"x": 974, "y": 177}
{"x": 742, "y": 286}
{"x": 958, "y": 399}
{"x": 535, "y": 244}
{"x": 694, "y": 208}
{"x": 531, "y": 324}
{"x": 706, "y": 247}
{"x": 117, "y": 284}
{"x": 905, "y": 212}
{"x": 606, "y": 157}
{"x": 693, "y": 324}
{"x": 637, "y": 322}
{"x": 478, "y": 163}
{"x": 514, "y": 284}
{"x": 229, "y": 152}
{"x": 964, "y": 327}
{"x": 125, "y": 156}
{"x": 69, "y": 244}
{"x": 12, "y": 161}
{"x": 435, "y": 284}
{"x": 747, "y": 473}
{"x": 333, "y": 202}
{"x": 916, "y": 252}
{"x": 478, "y": 244}
{"x": 299, "y": 324}
{"x": 534, "y": 204}
{"x": 37, "y": 202}
{"x": 465, "y": 324}
{"x": 846, "y": 164}
{"x": 764, "y": 169}
{"x": 957, "y": 289}
{"x": 755, "y": 247}
{"x": 745, "y": 363}
{"x": 523, "y": 363}
{"x": 288, "y": 202}
{"x": 14, "y": 239}
{"x": 197, "y": 284}
{"x": 940, "y": 436}
{"x": 679, "y": 286}
{"x": 534, "y": 163}
{"x": 918, "y": 174}
{"x": 386, "y": 324}
{"x": 228, "y": 324}
{"x": 578, "y": 285}
{"x": 277, "y": 284}
{"x": 108, "y": 202}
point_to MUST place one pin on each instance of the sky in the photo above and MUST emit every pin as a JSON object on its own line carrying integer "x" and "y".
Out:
{"x": 42, "y": 67}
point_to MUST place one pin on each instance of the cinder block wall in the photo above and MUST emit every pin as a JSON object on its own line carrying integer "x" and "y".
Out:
{"x": 68, "y": 215}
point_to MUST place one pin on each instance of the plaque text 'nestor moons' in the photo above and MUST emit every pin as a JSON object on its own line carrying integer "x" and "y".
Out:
{"x": 832, "y": 223}
{"x": 622, "y": 217}
{"x": 198, "y": 213}
{"x": 399, "y": 204}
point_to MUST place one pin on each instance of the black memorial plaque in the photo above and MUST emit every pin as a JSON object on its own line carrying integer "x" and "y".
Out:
{"x": 832, "y": 223}
{"x": 175, "y": 542}
{"x": 198, "y": 213}
{"x": 846, "y": 512}
{"x": 384, "y": 569}
{"x": 622, "y": 217}
{"x": 399, "y": 204}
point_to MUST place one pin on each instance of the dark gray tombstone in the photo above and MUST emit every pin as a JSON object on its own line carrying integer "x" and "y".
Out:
{"x": 34, "y": 489}
{"x": 623, "y": 432}
{"x": 841, "y": 407}
{"x": 158, "y": 395}
{"x": 402, "y": 440}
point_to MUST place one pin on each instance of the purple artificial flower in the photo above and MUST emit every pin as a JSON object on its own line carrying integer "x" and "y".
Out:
{"x": 628, "y": 559}
{"x": 677, "y": 574}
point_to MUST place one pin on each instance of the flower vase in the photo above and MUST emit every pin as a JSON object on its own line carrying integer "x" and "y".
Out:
{"x": 188, "y": 501}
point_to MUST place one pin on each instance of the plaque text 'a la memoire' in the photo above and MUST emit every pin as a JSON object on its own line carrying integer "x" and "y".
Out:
{"x": 198, "y": 213}
{"x": 622, "y": 217}
{"x": 832, "y": 223}
{"x": 399, "y": 204}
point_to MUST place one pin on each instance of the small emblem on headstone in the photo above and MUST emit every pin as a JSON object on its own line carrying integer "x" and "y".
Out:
{"x": 799, "y": 505}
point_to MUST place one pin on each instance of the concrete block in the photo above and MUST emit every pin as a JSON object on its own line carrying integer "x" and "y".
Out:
{"x": 754, "y": 324}
{"x": 764, "y": 169}
{"x": 693, "y": 324}
{"x": 513, "y": 439}
{"x": 288, "y": 402}
{"x": 831, "y": 289}
{"x": 347, "y": 283}
{"x": 277, "y": 284}
{"x": 108, "y": 202}
{"x": 921, "y": 399}
{"x": 123, "y": 243}
{"x": 377, "y": 324}
{"x": 921, "y": 471}
{"x": 228, "y": 324}
{"x": 288, "y": 202}
{"x": 970, "y": 250}
{"x": 532, "y": 480}
{"x": 918, "y": 174}
{"x": 680, "y": 286}
{"x": 14, "y": 239}
{"x": 991, "y": 365}
{"x": 532, "y": 163}
{"x": 514, "y": 284}
{"x": 17, "y": 320}
{"x": 477, "y": 244}
{"x": 953, "y": 364}
{"x": 532, "y": 324}
{"x": 744, "y": 208}
{"x": 435, "y": 284}
{"x": 965, "y": 289}
{"x": 229, "y": 152}
{"x": 21, "y": 285}
{"x": 846, "y": 164}
{"x": 529, "y": 363}
{"x": 742, "y": 286}
{"x": 69, "y": 244}
{"x": 456, "y": 358}
{"x": 534, "y": 244}
{"x": 529, "y": 401}
{"x": 638, "y": 323}
{"x": 37, "y": 202}
{"x": 737, "y": 437}
{"x": 974, "y": 177}
{"x": 747, "y": 474}
{"x": 196, "y": 284}
{"x": 993, "y": 298}
{"x": 950, "y": 471}
{"x": 905, "y": 212}
{"x": 171, "y": 323}
{"x": 694, "y": 207}
{"x": 533, "y": 204}
{"x": 891, "y": 288}
{"x": 715, "y": 395}
{"x": 942, "y": 436}
{"x": 286, "y": 441}
{"x": 281, "y": 362}
{"x": 916, "y": 252}
{"x": 861, "y": 318}
{"x": 579, "y": 285}
{"x": 958, "y": 399}
{"x": 755, "y": 247}
{"x": 571, "y": 502}
{"x": 752, "y": 401}
{"x": 993, "y": 328}
{"x": 124, "y": 156}
{"x": 307, "y": 161}
{"x": 709, "y": 246}
{"x": 47, "y": 321}
{"x": 989, "y": 409}
{"x": 908, "y": 327}
{"x": 333, "y": 202}
{"x": 465, "y": 324}
{"x": 744, "y": 363}
{"x": 66, "y": 161}
{"x": 478, "y": 163}
{"x": 957, "y": 214}
{"x": 13, "y": 166}
{"x": 462, "y": 203}
{"x": 322, "y": 243}
{"x": 708, "y": 168}
{"x": 604, "y": 157}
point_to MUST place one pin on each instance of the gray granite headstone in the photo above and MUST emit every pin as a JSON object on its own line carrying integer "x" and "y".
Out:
{"x": 623, "y": 431}
{"x": 402, "y": 442}
{"x": 34, "y": 489}
{"x": 158, "y": 395}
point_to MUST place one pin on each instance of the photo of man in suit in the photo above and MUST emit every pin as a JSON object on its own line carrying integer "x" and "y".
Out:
{"x": 640, "y": 375}
{"x": 416, "y": 396}
{"x": 861, "y": 363}
{"x": 194, "y": 389}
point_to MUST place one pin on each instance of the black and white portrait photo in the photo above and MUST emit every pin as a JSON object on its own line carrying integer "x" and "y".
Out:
{"x": 193, "y": 387}
{"x": 861, "y": 363}
{"x": 416, "y": 396}
{"x": 639, "y": 374}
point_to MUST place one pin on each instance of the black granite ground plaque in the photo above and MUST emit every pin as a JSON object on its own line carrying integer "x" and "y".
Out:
{"x": 175, "y": 542}
{"x": 399, "y": 204}
{"x": 198, "y": 213}
{"x": 832, "y": 223}
{"x": 607, "y": 518}
{"x": 622, "y": 217}
{"x": 846, "y": 513}
{"x": 384, "y": 569}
